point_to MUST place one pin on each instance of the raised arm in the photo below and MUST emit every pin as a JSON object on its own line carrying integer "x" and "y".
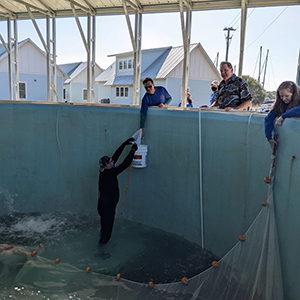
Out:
{"x": 119, "y": 151}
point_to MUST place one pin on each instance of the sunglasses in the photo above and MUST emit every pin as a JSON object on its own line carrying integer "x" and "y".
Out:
{"x": 148, "y": 87}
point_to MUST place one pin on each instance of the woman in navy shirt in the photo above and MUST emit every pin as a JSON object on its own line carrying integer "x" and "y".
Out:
{"x": 286, "y": 106}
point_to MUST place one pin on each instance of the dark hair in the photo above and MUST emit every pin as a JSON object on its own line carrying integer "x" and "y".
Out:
{"x": 279, "y": 106}
{"x": 103, "y": 162}
{"x": 148, "y": 79}
{"x": 229, "y": 65}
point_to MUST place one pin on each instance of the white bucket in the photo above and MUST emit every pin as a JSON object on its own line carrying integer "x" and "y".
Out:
{"x": 140, "y": 157}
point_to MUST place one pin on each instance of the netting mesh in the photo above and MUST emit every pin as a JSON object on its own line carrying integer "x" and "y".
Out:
{"x": 250, "y": 270}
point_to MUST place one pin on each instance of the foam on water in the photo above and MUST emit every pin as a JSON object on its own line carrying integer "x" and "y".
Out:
{"x": 35, "y": 224}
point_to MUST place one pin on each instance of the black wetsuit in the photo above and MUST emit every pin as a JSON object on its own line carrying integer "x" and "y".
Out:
{"x": 109, "y": 193}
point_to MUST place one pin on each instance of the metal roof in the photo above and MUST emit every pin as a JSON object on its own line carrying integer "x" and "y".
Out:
{"x": 159, "y": 68}
{"x": 62, "y": 8}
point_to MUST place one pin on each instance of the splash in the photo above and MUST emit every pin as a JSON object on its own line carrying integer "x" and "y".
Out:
{"x": 8, "y": 201}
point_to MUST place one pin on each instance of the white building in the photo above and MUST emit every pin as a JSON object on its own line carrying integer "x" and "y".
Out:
{"x": 165, "y": 66}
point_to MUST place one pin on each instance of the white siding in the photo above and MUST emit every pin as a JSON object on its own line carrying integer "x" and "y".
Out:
{"x": 199, "y": 68}
{"x": 82, "y": 77}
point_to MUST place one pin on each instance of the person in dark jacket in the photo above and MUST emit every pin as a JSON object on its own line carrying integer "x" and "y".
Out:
{"x": 109, "y": 188}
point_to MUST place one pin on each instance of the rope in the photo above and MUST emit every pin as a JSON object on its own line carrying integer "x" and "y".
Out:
{"x": 126, "y": 189}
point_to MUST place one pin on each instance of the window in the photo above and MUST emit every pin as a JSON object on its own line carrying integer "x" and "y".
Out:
{"x": 126, "y": 64}
{"x": 22, "y": 90}
{"x": 122, "y": 92}
{"x": 84, "y": 94}
{"x": 64, "y": 94}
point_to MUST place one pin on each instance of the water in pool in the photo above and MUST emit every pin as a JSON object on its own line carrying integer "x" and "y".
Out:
{"x": 139, "y": 253}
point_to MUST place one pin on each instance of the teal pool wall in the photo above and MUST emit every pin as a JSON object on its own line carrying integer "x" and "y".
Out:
{"x": 49, "y": 162}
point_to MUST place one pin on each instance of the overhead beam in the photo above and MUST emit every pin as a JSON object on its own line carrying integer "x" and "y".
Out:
{"x": 91, "y": 8}
{"x": 157, "y": 8}
{"x": 4, "y": 44}
{"x": 79, "y": 26}
{"x": 37, "y": 29}
{"x": 8, "y": 12}
{"x": 129, "y": 24}
{"x": 51, "y": 12}
{"x": 83, "y": 8}
{"x": 27, "y": 4}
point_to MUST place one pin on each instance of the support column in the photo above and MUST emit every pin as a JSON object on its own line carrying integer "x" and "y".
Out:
{"x": 9, "y": 59}
{"x": 87, "y": 44}
{"x": 16, "y": 60}
{"x": 134, "y": 98}
{"x": 243, "y": 30}
{"x": 88, "y": 66}
{"x": 93, "y": 56}
{"x": 54, "y": 58}
{"x": 186, "y": 37}
{"x": 136, "y": 42}
{"x": 139, "y": 59}
{"x": 48, "y": 60}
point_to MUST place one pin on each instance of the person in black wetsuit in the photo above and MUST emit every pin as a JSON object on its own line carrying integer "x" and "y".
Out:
{"x": 109, "y": 188}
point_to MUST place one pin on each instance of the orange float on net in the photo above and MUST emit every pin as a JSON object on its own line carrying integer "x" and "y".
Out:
{"x": 57, "y": 261}
{"x": 215, "y": 264}
{"x": 88, "y": 270}
{"x": 184, "y": 280}
{"x": 34, "y": 253}
{"x": 151, "y": 284}
{"x": 118, "y": 277}
{"x": 264, "y": 203}
{"x": 242, "y": 238}
{"x": 267, "y": 180}
{"x": 9, "y": 247}
{"x": 41, "y": 245}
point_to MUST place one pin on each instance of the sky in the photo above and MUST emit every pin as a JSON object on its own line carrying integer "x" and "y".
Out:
{"x": 274, "y": 28}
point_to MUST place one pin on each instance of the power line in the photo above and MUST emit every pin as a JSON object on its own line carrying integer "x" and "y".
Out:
{"x": 267, "y": 27}
{"x": 263, "y": 31}
{"x": 239, "y": 14}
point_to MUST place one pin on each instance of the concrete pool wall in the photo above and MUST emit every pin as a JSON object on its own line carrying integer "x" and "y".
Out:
{"x": 49, "y": 162}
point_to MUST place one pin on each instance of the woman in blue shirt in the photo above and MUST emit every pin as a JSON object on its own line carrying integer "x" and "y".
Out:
{"x": 286, "y": 106}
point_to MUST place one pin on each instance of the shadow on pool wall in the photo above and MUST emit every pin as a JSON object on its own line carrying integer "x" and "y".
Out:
{"x": 49, "y": 162}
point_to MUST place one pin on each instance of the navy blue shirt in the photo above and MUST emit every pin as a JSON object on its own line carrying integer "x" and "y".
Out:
{"x": 270, "y": 118}
{"x": 161, "y": 95}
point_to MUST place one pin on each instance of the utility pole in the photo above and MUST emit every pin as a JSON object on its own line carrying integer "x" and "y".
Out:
{"x": 228, "y": 38}
{"x": 263, "y": 83}
{"x": 216, "y": 62}
{"x": 259, "y": 68}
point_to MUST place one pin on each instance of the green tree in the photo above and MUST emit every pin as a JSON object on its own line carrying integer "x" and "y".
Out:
{"x": 257, "y": 92}
{"x": 271, "y": 96}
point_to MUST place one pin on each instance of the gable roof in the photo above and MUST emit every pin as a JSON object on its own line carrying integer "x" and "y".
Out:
{"x": 74, "y": 69}
{"x": 159, "y": 69}
{"x": 3, "y": 52}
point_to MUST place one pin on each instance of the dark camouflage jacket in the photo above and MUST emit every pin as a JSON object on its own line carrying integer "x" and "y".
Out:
{"x": 232, "y": 94}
